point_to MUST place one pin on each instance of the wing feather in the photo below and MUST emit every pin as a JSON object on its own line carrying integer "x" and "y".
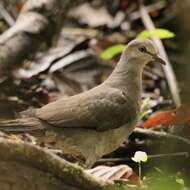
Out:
{"x": 96, "y": 109}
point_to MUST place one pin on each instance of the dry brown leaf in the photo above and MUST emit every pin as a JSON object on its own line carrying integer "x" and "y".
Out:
{"x": 115, "y": 173}
{"x": 178, "y": 116}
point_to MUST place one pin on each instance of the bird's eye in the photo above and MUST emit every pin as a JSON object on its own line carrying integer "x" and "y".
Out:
{"x": 142, "y": 49}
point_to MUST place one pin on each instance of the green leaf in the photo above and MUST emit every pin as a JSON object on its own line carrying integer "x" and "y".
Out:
{"x": 145, "y": 108}
{"x": 158, "y": 32}
{"x": 112, "y": 51}
{"x": 180, "y": 181}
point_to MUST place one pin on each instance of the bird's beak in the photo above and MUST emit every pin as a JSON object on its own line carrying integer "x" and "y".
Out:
{"x": 157, "y": 59}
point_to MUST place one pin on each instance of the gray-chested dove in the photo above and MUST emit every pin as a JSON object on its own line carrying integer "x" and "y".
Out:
{"x": 95, "y": 122}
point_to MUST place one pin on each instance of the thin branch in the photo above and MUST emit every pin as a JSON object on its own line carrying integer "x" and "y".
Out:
{"x": 5, "y": 14}
{"x": 114, "y": 160}
{"x": 157, "y": 134}
{"x": 150, "y": 8}
{"x": 172, "y": 82}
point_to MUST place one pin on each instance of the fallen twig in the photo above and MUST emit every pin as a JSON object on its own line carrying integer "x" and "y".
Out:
{"x": 114, "y": 160}
{"x": 172, "y": 82}
{"x": 157, "y": 134}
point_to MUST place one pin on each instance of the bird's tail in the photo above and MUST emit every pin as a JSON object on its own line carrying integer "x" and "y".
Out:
{"x": 21, "y": 125}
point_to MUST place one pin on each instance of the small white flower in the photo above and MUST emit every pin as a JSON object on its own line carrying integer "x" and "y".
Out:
{"x": 140, "y": 156}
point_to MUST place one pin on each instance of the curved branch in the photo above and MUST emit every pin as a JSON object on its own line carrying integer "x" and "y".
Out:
{"x": 30, "y": 158}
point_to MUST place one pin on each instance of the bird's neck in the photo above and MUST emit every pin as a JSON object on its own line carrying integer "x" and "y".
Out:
{"x": 127, "y": 77}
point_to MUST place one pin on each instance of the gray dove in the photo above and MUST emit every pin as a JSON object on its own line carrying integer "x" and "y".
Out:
{"x": 95, "y": 122}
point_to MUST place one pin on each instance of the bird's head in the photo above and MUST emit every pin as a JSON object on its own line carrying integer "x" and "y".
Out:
{"x": 142, "y": 51}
